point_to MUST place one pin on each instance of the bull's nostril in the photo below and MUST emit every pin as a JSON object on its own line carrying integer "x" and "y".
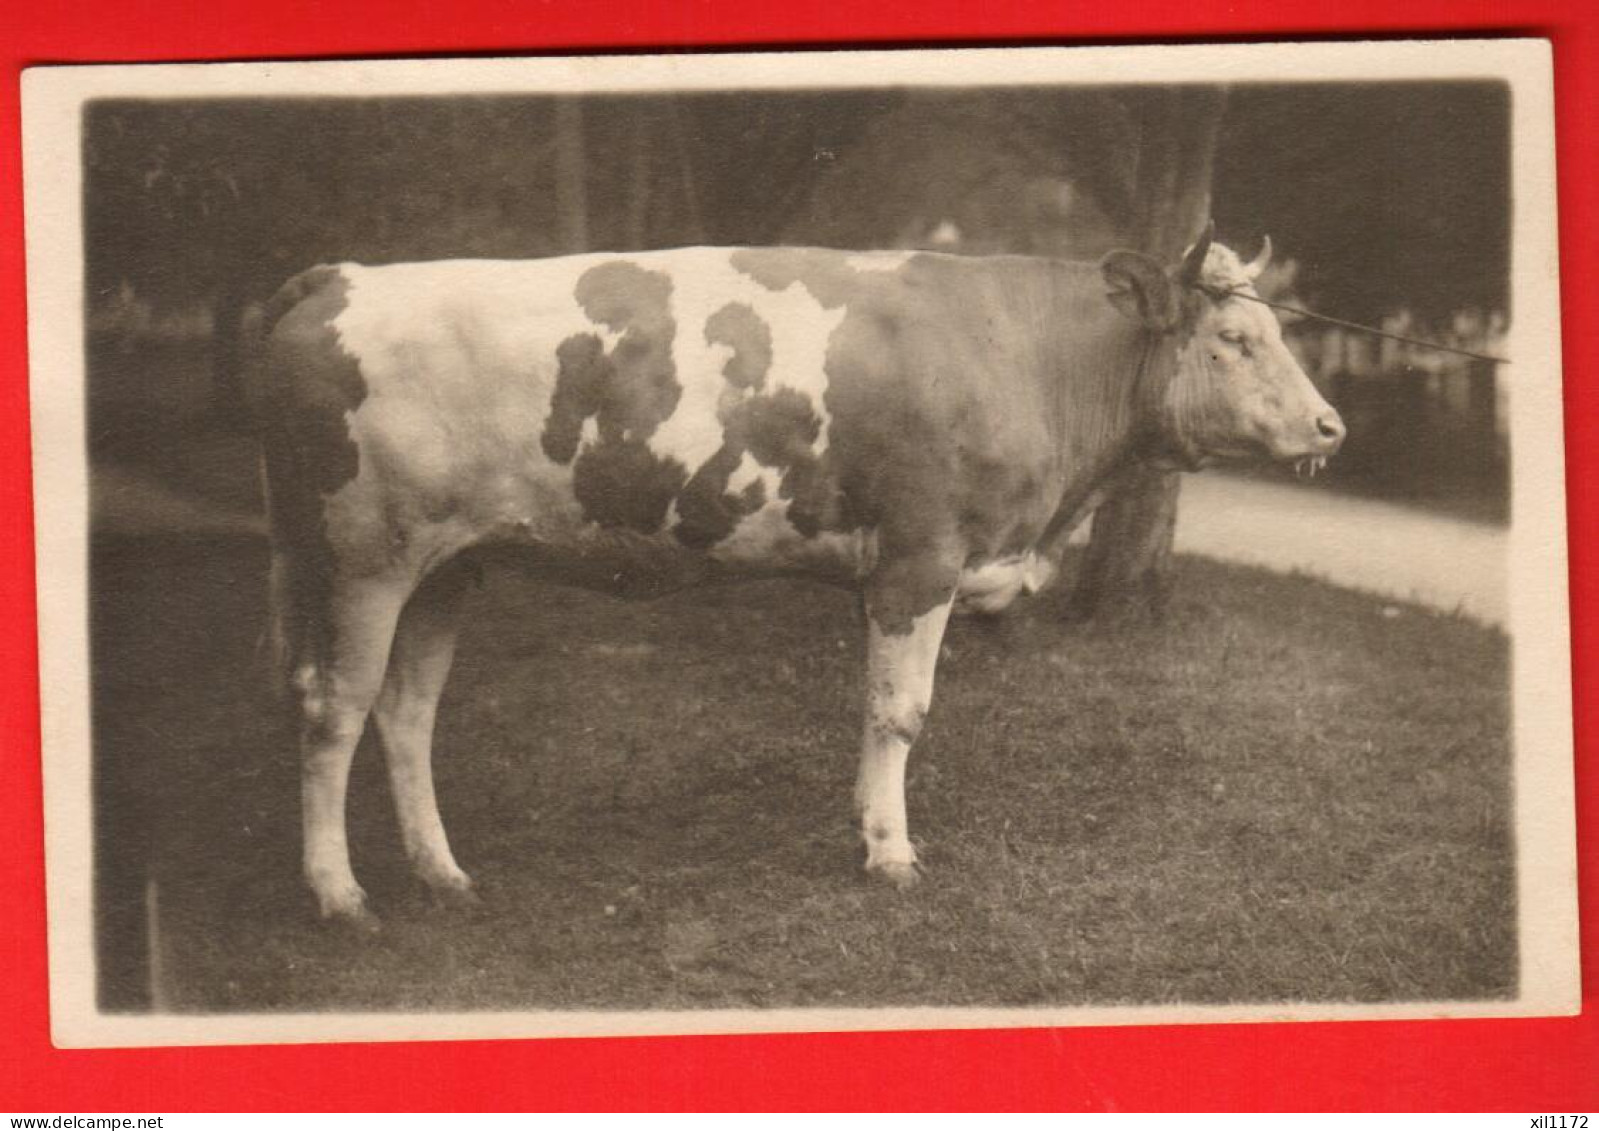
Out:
{"x": 1330, "y": 426}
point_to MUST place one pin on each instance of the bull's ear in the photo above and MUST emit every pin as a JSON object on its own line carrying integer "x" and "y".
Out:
{"x": 1141, "y": 289}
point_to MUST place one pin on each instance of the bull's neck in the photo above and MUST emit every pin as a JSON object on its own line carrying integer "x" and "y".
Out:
{"x": 1104, "y": 373}
{"x": 1101, "y": 376}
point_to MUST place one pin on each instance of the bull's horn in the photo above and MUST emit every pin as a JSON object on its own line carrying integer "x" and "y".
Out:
{"x": 1194, "y": 260}
{"x": 1258, "y": 264}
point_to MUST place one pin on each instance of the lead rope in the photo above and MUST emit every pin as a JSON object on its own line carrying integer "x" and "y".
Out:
{"x": 1221, "y": 292}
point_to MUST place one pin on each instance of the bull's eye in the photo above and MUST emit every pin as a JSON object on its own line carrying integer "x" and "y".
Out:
{"x": 1235, "y": 339}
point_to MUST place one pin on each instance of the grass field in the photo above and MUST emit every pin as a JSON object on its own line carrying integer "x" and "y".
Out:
{"x": 1287, "y": 792}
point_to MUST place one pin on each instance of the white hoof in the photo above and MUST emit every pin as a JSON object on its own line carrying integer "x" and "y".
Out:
{"x": 903, "y": 876}
{"x": 346, "y": 908}
{"x": 892, "y": 860}
{"x": 452, "y": 890}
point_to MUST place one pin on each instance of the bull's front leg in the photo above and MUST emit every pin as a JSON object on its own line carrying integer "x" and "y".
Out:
{"x": 906, "y": 611}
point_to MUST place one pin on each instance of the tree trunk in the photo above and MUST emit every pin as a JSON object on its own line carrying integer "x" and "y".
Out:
{"x": 644, "y": 131}
{"x": 692, "y": 221}
{"x": 1127, "y": 568}
{"x": 571, "y": 187}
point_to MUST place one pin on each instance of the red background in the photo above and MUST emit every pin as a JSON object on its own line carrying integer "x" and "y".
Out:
{"x": 1534, "y": 1065}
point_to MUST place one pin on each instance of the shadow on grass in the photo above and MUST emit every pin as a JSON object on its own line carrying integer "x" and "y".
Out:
{"x": 1280, "y": 794}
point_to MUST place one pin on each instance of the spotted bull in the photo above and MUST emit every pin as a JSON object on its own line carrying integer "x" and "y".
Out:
{"x": 924, "y": 427}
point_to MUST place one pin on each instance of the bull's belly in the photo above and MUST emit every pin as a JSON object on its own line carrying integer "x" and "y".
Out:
{"x": 643, "y": 568}
{"x": 636, "y": 566}
{"x": 628, "y": 564}
{"x": 532, "y": 517}
{"x": 413, "y": 514}
{"x": 558, "y": 544}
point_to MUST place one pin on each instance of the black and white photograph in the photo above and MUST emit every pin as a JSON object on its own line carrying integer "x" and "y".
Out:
{"x": 800, "y": 541}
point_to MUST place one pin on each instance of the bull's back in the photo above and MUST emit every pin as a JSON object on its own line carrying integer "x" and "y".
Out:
{"x": 655, "y": 407}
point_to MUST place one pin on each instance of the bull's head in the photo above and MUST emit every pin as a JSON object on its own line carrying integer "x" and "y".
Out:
{"x": 1225, "y": 385}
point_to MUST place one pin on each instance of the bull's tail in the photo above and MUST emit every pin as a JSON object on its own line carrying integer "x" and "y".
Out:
{"x": 285, "y": 497}
{"x": 292, "y": 293}
{"x": 261, "y": 384}
{"x": 280, "y": 596}
{"x": 294, "y": 642}
{"x": 277, "y": 650}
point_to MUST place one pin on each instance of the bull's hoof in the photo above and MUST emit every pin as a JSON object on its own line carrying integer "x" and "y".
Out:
{"x": 342, "y": 907}
{"x": 357, "y": 921}
{"x": 903, "y": 874}
{"x": 456, "y": 895}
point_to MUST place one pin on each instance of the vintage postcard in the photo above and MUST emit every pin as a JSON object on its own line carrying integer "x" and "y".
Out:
{"x": 800, "y": 541}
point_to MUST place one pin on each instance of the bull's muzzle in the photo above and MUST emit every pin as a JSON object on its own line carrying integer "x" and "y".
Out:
{"x": 1329, "y": 437}
{"x": 1330, "y": 431}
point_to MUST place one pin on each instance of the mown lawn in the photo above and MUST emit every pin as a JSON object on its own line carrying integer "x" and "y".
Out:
{"x": 1286, "y": 792}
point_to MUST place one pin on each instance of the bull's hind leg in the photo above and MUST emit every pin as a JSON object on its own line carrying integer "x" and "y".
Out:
{"x": 419, "y": 664}
{"x": 338, "y": 678}
{"x": 906, "y": 611}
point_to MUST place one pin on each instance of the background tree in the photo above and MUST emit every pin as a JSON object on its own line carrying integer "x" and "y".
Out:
{"x": 1127, "y": 568}
{"x": 571, "y": 176}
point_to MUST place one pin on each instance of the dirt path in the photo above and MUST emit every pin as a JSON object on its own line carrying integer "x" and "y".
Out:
{"x": 1397, "y": 551}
